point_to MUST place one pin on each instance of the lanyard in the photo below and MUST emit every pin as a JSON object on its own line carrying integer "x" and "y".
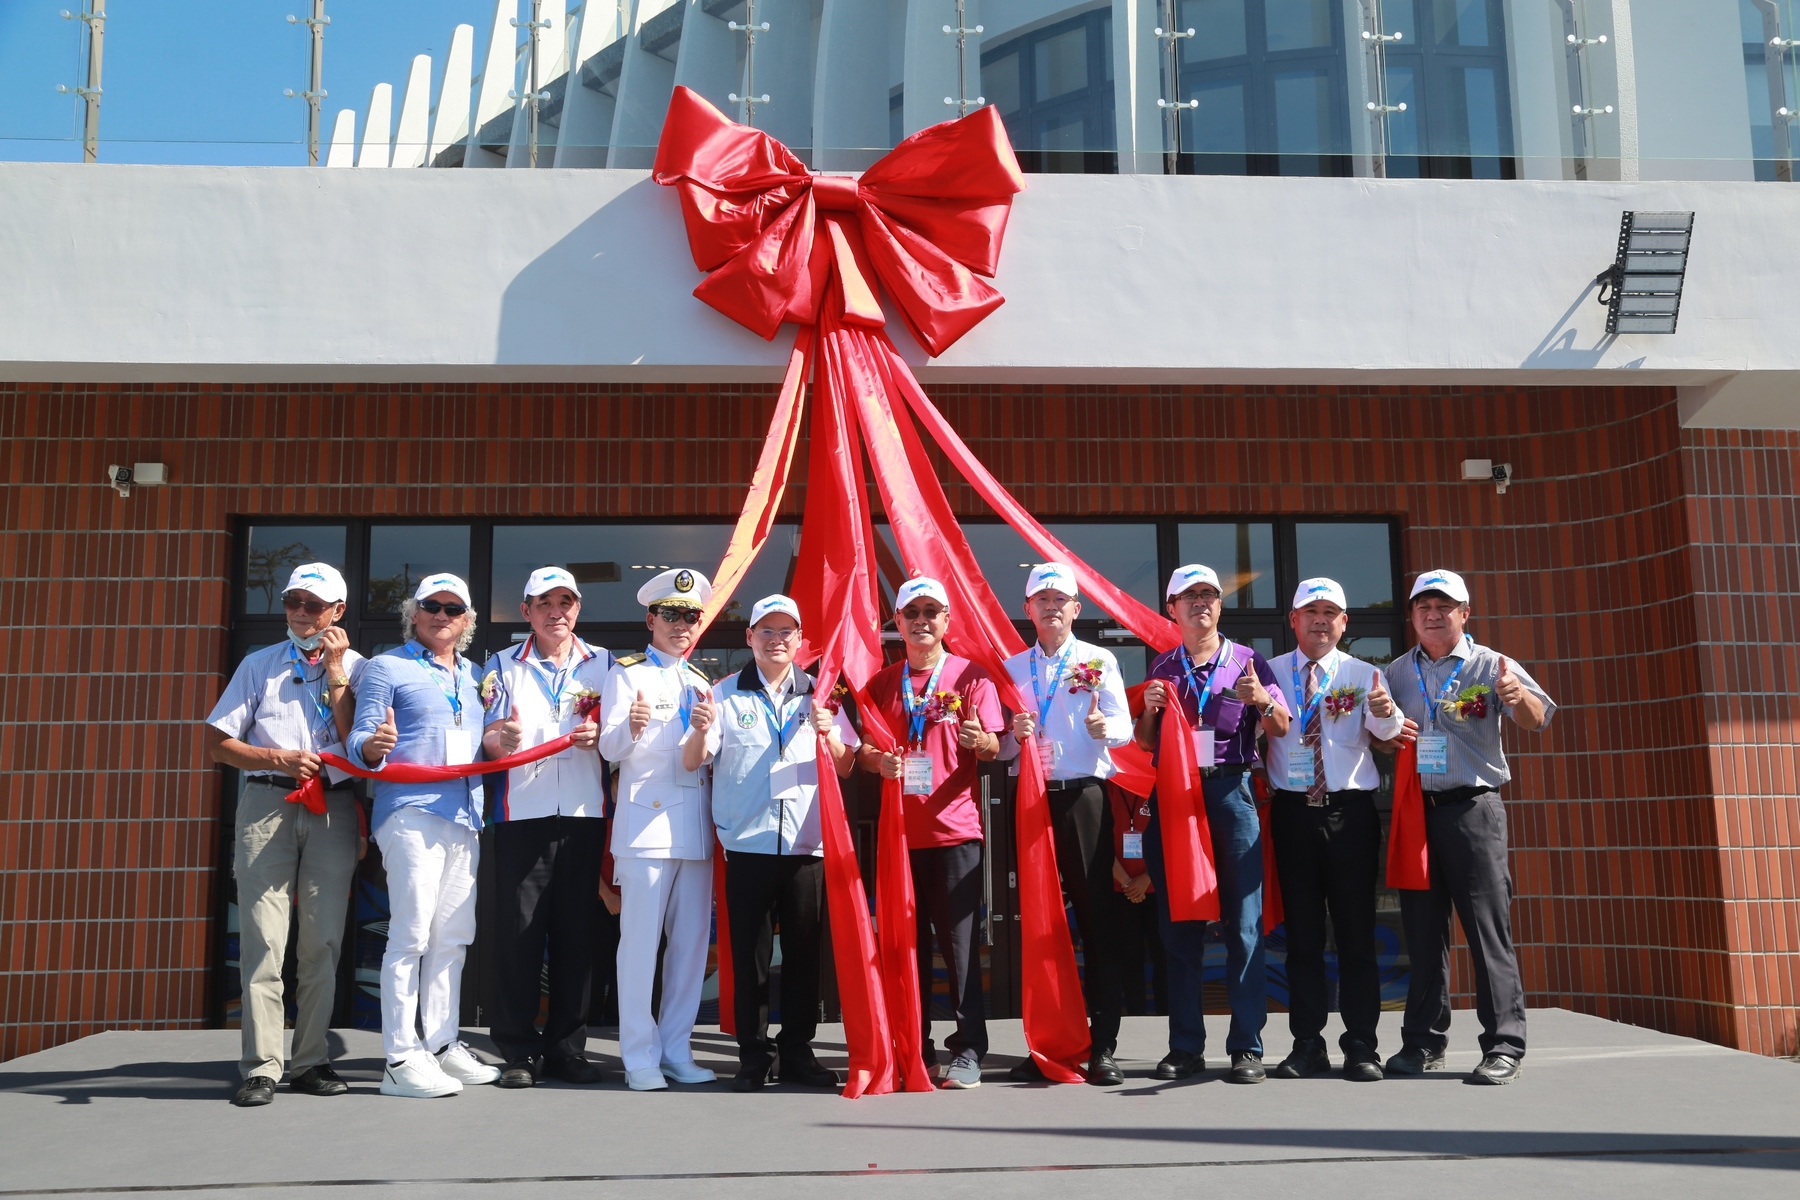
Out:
{"x": 320, "y": 703}
{"x": 1449, "y": 684}
{"x": 560, "y": 677}
{"x": 915, "y": 705}
{"x": 1187, "y": 664}
{"x": 1306, "y": 714}
{"x": 783, "y": 726}
{"x": 1062, "y": 664}
{"x": 686, "y": 707}
{"x": 453, "y": 693}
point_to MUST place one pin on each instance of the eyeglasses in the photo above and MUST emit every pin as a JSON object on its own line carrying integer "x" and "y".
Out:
{"x": 434, "y": 607}
{"x": 683, "y": 616}
{"x": 776, "y": 635}
{"x": 1207, "y": 597}
{"x": 311, "y": 608}
{"x": 909, "y": 613}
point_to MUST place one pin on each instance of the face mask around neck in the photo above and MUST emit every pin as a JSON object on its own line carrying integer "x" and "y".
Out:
{"x": 305, "y": 645}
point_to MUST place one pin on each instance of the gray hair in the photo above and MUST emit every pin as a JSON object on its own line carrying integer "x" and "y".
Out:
{"x": 409, "y": 614}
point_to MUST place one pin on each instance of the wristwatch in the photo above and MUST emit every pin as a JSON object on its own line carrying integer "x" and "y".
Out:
{"x": 338, "y": 681}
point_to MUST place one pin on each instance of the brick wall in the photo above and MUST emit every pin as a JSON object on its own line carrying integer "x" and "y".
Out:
{"x": 1645, "y": 893}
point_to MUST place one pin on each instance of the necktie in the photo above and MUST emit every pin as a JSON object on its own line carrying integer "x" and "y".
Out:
{"x": 1314, "y": 735}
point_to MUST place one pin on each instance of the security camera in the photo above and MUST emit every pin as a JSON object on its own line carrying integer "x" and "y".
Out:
{"x": 119, "y": 479}
{"x": 1502, "y": 476}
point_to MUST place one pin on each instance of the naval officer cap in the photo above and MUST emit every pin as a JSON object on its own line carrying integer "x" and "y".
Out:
{"x": 443, "y": 582}
{"x": 678, "y": 588}
{"x": 1447, "y": 583}
{"x": 1320, "y": 588}
{"x": 770, "y": 605}
{"x": 1190, "y": 575}
{"x": 321, "y": 579}
{"x": 1060, "y": 576}
{"x": 546, "y": 579}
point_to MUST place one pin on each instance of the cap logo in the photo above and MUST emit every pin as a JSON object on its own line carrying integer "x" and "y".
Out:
{"x": 684, "y": 581}
{"x": 1436, "y": 579}
{"x": 1317, "y": 589}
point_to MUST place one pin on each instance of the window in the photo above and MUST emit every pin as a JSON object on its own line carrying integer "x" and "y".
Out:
{"x": 1054, "y": 89}
{"x": 401, "y": 555}
{"x": 1450, "y": 71}
{"x": 1268, "y": 76}
{"x": 273, "y": 553}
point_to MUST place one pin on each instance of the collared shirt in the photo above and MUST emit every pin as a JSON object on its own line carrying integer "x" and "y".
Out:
{"x": 949, "y": 816}
{"x": 763, "y": 793}
{"x": 276, "y": 700}
{"x": 664, "y": 810}
{"x": 574, "y": 783}
{"x": 1064, "y": 724}
{"x": 1349, "y": 763}
{"x": 418, "y": 688}
{"x": 1476, "y": 758}
{"x": 1233, "y": 722}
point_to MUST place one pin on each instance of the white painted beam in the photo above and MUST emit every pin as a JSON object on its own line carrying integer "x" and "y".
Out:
{"x": 412, "y": 136}
{"x": 645, "y": 84}
{"x": 376, "y": 147}
{"x": 452, "y": 123}
{"x": 497, "y": 79}
{"x": 587, "y": 115}
{"x": 343, "y": 140}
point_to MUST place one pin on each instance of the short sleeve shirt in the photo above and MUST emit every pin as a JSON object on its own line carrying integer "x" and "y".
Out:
{"x": 276, "y": 700}
{"x": 1233, "y": 722}
{"x": 951, "y": 815}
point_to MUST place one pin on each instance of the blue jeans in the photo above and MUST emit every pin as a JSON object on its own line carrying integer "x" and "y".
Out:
{"x": 1237, "y": 855}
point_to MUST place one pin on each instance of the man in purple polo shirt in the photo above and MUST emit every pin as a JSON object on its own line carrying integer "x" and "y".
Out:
{"x": 1233, "y": 691}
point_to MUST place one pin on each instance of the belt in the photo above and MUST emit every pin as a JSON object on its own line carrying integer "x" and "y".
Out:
{"x": 1328, "y": 798}
{"x": 1226, "y": 769}
{"x": 1072, "y": 785}
{"x": 289, "y": 784}
{"x": 1458, "y": 795}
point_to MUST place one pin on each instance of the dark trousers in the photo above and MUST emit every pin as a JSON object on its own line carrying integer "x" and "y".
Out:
{"x": 547, "y": 871}
{"x": 1328, "y": 859}
{"x": 758, "y": 889}
{"x": 1140, "y": 945}
{"x": 1469, "y": 875}
{"x": 947, "y": 891}
{"x": 1237, "y": 856}
{"x": 1081, "y": 821}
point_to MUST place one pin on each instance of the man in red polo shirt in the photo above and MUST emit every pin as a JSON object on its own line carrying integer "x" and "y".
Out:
{"x": 948, "y": 716}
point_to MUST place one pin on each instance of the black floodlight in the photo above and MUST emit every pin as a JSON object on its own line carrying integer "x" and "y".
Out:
{"x": 1642, "y": 289}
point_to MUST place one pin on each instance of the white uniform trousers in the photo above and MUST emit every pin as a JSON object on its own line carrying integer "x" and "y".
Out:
{"x": 657, "y": 896}
{"x": 430, "y": 866}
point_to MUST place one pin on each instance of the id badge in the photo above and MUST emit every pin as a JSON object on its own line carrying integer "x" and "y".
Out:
{"x": 1204, "y": 753}
{"x": 459, "y": 747}
{"x": 1133, "y": 847}
{"x": 917, "y": 775}
{"x": 784, "y": 780}
{"x": 1434, "y": 754}
{"x": 1300, "y": 768}
{"x": 1046, "y": 752}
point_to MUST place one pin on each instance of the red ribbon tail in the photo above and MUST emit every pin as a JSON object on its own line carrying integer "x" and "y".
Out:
{"x": 1273, "y": 912}
{"x": 310, "y": 796}
{"x": 1056, "y": 1030}
{"x": 867, "y": 1030}
{"x": 897, "y": 926}
{"x": 722, "y": 940}
{"x": 1409, "y": 857}
{"x": 1186, "y": 834}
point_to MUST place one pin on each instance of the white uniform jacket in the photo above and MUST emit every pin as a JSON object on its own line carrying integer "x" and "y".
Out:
{"x": 573, "y": 783}
{"x": 663, "y": 811}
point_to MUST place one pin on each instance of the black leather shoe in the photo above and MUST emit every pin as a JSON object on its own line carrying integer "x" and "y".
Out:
{"x": 255, "y": 1092}
{"x": 1104, "y": 1072}
{"x": 577, "y": 1068}
{"x": 521, "y": 1074}
{"x": 1179, "y": 1064}
{"x": 1246, "y": 1067}
{"x": 318, "y": 1081}
{"x": 1496, "y": 1069}
{"x": 753, "y": 1079}
{"x": 1414, "y": 1061}
{"x": 1306, "y": 1059}
{"x": 1026, "y": 1072}
{"x": 1361, "y": 1064}
{"x": 811, "y": 1073}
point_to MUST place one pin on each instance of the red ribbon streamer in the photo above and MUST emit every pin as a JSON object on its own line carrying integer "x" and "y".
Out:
{"x": 1193, "y": 892}
{"x": 1273, "y": 909}
{"x": 1408, "y": 864}
{"x": 311, "y": 794}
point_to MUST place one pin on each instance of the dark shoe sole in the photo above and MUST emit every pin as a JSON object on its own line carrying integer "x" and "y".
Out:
{"x": 1284, "y": 1070}
{"x": 1479, "y": 1079}
{"x": 1246, "y": 1077}
{"x": 1188, "y": 1072}
{"x": 1403, "y": 1072}
{"x": 1358, "y": 1073}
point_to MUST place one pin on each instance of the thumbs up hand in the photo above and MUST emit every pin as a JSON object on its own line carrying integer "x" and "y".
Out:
{"x": 1095, "y": 719}
{"x": 1380, "y": 703}
{"x": 639, "y": 717}
{"x": 701, "y": 718}
{"x": 1508, "y": 687}
{"x": 1024, "y": 725}
{"x": 510, "y": 732}
{"x": 381, "y": 741}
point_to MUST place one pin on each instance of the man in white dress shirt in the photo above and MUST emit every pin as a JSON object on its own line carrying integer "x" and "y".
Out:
{"x": 654, "y": 704}
{"x": 1327, "y": 832}
{"x": 1077, "y": 715}
{"x": 549, "y": 822}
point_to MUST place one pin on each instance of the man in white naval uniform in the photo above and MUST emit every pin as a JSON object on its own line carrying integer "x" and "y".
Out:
{"x": 1074, "y": 722}
{"x": 662, "y": 832}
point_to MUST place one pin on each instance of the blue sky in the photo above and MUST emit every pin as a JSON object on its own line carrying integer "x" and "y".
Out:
{"x": 200, "y": 81}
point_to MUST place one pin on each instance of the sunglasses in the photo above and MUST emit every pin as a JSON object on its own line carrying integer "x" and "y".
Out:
{"x": 683, "y": 616}
{"x": 434, "y": 607}
{"x": 911, "y": 613}
{"x": 311, "y": 608}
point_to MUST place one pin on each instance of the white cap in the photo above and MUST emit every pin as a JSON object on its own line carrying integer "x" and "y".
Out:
{"x": 545, "y": 579}
{"x": 1060, "y": 576}
{"x": 679, "y": 587}
{"x": 1320, "y": 588}
{"x": 1186, "y": 577}
{"x": 321, "y": 579}
{"x": 444, "y": 583}
{"x": 922, "y": 585}
{"x": 774, "y": 604}
{"x": 1447, "y": 582}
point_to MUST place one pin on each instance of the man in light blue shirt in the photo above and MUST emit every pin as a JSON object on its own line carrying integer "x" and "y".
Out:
{"x": 420, "y": 703}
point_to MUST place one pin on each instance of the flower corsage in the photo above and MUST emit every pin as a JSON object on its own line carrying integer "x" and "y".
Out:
{"x": 945, "y": 706}
{"x": 1342, "y": 701}
{"x": 840, "y": 692}
{"x": 1470, "y": 703}
{"x": 490, "y": 688}
{"x": 1086, "y": 676}
{"x": 587, "y": 704}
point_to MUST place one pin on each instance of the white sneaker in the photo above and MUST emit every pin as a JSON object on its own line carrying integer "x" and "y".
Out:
{"x": 688, "y": 1072}
{"x": 418, "y": 1077}
{"x": 645, "y": 1080}
{"x": 458, "y": 1063}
